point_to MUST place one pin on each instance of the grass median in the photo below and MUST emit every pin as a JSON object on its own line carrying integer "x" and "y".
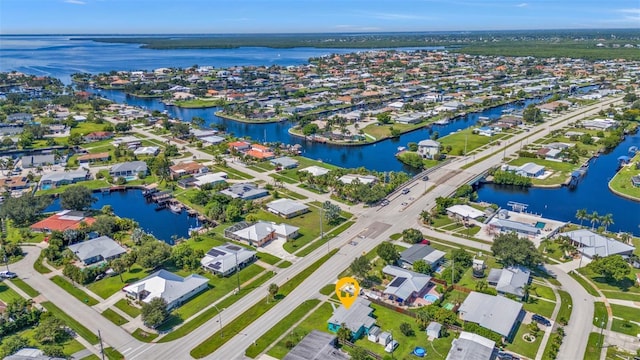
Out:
{"x": 74, "y": 291}
{"x": 71, "y": 322}
{"x": 215, "y": 341}
{"x": 114, "y": 317}
{"x": 25, "y": 287}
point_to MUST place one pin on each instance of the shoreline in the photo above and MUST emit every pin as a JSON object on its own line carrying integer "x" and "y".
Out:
{"x": 246, "y": 121}
{"x": 621, "y": 194}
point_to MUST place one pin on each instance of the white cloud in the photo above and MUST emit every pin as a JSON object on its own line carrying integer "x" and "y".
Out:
{"x": 395, "y": 16}
{"x": 521, "y": 5}
{"x": 76, "y": 2}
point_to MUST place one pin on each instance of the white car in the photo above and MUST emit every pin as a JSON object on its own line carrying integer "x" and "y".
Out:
{"x": 7, "y": 274}
{"x": 391, "y": 346}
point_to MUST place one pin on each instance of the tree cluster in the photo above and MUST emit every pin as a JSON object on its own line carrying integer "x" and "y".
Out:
{"x": 19, "y": 314}
{"x": 612, "y": 268}
{"x": 154, "y": 312}
{"x": 514, "y": 250}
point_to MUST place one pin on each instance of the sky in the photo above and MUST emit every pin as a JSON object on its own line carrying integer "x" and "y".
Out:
{"x": 309, "y": 16}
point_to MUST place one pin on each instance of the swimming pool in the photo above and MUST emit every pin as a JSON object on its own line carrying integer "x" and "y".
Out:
{"x": 431, "y": 298}
{"x": 45, "y": 186}
{"x": 540, "y": 225}
{"x": 131, "y": 178}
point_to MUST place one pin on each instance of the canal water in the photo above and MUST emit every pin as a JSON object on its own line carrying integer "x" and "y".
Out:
{"x": 592, "y": 193}
{"x": 163, "y": 224}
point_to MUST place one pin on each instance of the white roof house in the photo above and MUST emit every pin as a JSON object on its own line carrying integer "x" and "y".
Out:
{"x": 173, "y": 288}
{"x": 210, "y": 178}
{"x": 464, "y": 211}
{"x": 147, "y": 150}
{"x": 102, "y": 248}
{"x": 315, "y": 170}
{"x": 363, "y": 179}
{"x": 591, "y": 244}
{"x": 496, "y": 313}
{"x": 226, "y": 259}
{"x": 262, "y": 232}
{"x": 287, "y": 208}
{"x": 470, "y": 346}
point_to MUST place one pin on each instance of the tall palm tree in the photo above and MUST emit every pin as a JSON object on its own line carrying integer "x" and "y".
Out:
{"x": 606, "y": 220}
{"x": 581, "y": 215}
{"x": 594, "y": 218}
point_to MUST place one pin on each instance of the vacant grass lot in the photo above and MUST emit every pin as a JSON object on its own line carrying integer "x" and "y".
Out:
{"x": 77, "y": 293}
{"x": 593, "y": 347}
{"x": 327, "y": 237}
{"x": 112, "y": 284}
{"x": 622, "y": 181}
{"x": 625, "y": 327}
{"x": 625, "y": 312}
{"x": 458, "y": 139}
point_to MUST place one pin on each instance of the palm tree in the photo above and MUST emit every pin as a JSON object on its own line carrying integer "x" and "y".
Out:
{"x": 581, "y": 215}
{"x": 426, "y": 217}
{"x": 606, "y": 220}
{"x": 625, "y": 237}
{"x": 594, "y": 218}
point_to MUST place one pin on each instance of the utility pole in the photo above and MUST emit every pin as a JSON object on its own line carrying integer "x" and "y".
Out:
{"x": 238, "y": 273}
{"x": 101, "y": 346}
{"x": 322, "y": 232}
{"x": 465, "y": 144}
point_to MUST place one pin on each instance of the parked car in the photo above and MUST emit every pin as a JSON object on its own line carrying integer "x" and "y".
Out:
{"x": 504, "y": 356}
{"x": 541, "y": 319}
{"x": 391, "y": 346}
{"x": 7, "y": 274}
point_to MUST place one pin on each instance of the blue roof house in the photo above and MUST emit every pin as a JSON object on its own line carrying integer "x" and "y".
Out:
{"x": 356, "y": 318}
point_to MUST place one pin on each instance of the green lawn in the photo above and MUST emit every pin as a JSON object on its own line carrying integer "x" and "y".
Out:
{"x": 268, "y": 258}
{"x": 625, "y": 312}
{"x": 280, "y": 328}
{"x": 69, "y": 347}
{"x": 76, "y": 292}
{"x": 626, "y": 284}
{"x": 113, "y": 354}
{"x": 543, "y": 292}
{"x": 625, "y": 327}
{"x": 621, "y": 182}
{"x": 7, "y": 294}
{"x": 284, "y": 179}
{"x": 327, "y": 237}
{"x": 109, "y": 285}
{"x": 593, "y": 347}
{"x": 610, "y": 294}
{"x": 600, "y": 313}
{"x": 25, "y": 287}
{"x": 71, "y": 322}
{"x": 539, "y": 306}
{"x": 585, "y": 284}
{"x": 40, "y": 267}
{"x": 441, "y": 221}
{"x": 458, "y": 139}
{"x": 328, "y": 289}
{"x": 565, "y": 306}
{"x": 522, "y": 347}
{"x": 144, "y": 336}
{"x": 130, "y": 310}
{"x": 114, "y": 317}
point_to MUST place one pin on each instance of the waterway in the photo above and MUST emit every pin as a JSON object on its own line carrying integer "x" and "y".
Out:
{"x": 163, "y": 224}
{"x": 592, "y": 193}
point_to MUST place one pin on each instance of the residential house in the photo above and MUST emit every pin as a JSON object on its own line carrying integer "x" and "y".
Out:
{"x": 33, "y": 161}
{"x": 262, "y": 232}
{"x": 64, "y": 220}
{"x": 285, "y": 162}
{"x": 245, "y": 191}
{"x": 635, "y": 180}
{"x": 287, "y": 208}
{"x": 496, "y": 313}
{"x": 239, "y": 146}
{"x": 224, "y": 260}
{"x": 417, "y": 252}
{"x": 174, "y": 289}
{"x": 98, "y": 135}
{"x": 472, "y": 346}
{"x": 59, "y": 178}
{"x": 317, "y": 345}
{"x": 187, "y": 168}
{"x": 315, "y": 170}
{"x": 511, "y": 280}
{"x": 19, "y": 118}
{"x": 592, "y": 244}
{"x": 102, "y": 248}
{"x": 600, "y": 124}
{"x": 30, "y": 354}
{"x": 147, "y": 151}
{"x": 529, "y": 169}
{"x": 406, "y": 285}
{"x": 463, "y": 212}
{"x": 210, "y": 179}
{"x": 428, "y": 149}
{"x": 363, "y": 179}
{"x": 356, "y": 318}
{"x": 485, "y": 131}
{"x": 130, "y": 168}
{"x": 505, "y": 226}
{"x": 130, "y": 142}
{"x": 92, "y": 158}
{"x": 260, "y": 152}
{"x": 14, "y": 183}
{"x": 211, "y": 140}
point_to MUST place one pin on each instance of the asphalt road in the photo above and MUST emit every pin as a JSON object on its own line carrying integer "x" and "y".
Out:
{"x": 448, "y": 178}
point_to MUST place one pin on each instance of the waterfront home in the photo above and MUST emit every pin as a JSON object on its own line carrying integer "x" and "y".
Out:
{"x": 187, "y": 168}
{"x": 463, "y": 212}
{"x": 262, "y": 232}
{"x": 226, "y": 259}
{"x": 406, "y": 286}
{"x": 504, "y": 225}
{"x": 287, "y": 208}
{"x": 130, "y": 168}
{"x": 260, "y": 152}
{"x": 529, "y": 169}
{"x": 19, "y": 118}
{"x": 592, "y": 244}
{"x": 635, "y": 180}
{"x": 317, "y": 345}
{"x": 510, "y": 280}
{"x": 485, "y": 131}
{"x": 59, "y": 178}
{"x": 245, "y": 191}
{"x": 98, "y": 135}
{"x": 362, "y": 179}
{"x": 239, "y": 146}
{"x": 92, "y": 158}
{"x": 147, "y": 151}
{"x": 212, "y": 140}
{"x": 424, "y": 252}
{"x": 174, "y": 289}
{"x": 428, "y": 149}
{"x": 285, "y": 162}
{"x": 210, "y": 179}
{"x": 102, "y": 248}
{"x": 472, "y": 346}
{"x": 200, "y": 133}
{"x": 14, "y": 183}
{"x": 63, "y": 220}
{"x": 315, "y": 170}
{"x": 130, "y": 142}
{"x": 38, "y": 160}
{"x": 357, "y": 318}
{"x": 11, "y": 129}
{"x": 496, "y": 313}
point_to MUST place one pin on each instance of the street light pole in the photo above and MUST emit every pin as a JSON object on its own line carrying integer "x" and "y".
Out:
{"x": 219, "y": 319}
{"x": 237, "y": 272}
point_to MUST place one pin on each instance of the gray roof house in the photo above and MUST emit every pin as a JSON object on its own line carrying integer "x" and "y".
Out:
{"x": 504, "y": 225}
{"x": 64, "y": 178}
{"x": 287, "y": 208}
{"x": 421, "y": 252}
{"x": 356, "y": 318}
{"x": 406, "y": 285}
{"x": 102, "y": 248}
{"x": 285, "y": 162}
{"x": 428, "y": 148}
{"x": 31, "y": 161}
{"x": 245, "y": 191}
{"x": 129, "y": 168}
{"x": 470, "y": 346}
{"x": 496, "y": 313}
{"x": 173, "y": 288}
{"x": 511, "y": 280}
{"x": 591, "y": 244}
{"x": 30, "y": 354}
{"x": 225, "y": 259}
{"x": 317, "y": 345}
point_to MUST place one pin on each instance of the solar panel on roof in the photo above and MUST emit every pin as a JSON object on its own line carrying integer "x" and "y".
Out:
{"x": 397, "y": 281}
{"x": 215, "y": 252}
{"x": 233, "y": 247}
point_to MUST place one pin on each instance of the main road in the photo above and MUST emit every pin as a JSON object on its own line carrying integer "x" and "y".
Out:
{"x": 374, "y": 225}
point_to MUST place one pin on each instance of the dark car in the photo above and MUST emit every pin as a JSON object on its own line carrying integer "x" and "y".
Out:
{"x": 425, "y": 178}
{"x": 541, "y": 319}
{"x": 504, "y": 356}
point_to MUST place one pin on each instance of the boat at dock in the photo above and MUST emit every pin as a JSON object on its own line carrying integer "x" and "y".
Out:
{"x": 175, "y": 208}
